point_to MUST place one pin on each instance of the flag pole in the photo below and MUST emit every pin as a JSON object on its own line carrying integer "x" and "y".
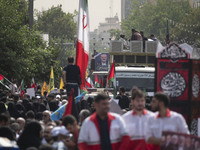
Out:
{"x": 8, "y": 80}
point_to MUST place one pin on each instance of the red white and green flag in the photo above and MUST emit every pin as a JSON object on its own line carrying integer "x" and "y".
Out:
{"x": 82, "y": 47}
{"x": 112, "y": 78}
{"x": 2, "y": 82}
{"x": 89, "y": 83}
{"x": 22, "y": 91}
{"x": 96, "y": 81}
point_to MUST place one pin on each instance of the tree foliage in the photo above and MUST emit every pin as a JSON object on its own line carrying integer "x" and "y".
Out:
{"x": 57, "y": 23}
{"x": 152, "y": 19}
{"x": 23, "y": 53}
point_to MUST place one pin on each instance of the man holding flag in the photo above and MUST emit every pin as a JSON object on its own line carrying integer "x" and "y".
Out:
{"x": 112, "y": 78}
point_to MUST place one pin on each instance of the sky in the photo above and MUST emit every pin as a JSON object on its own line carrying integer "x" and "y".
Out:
{"x": 98, "y": 9}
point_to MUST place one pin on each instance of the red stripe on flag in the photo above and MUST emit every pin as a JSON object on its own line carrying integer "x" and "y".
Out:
{"x": 81, "y": 61}
{"x": 68, "y": 110}
{"x": 1, "y": 77}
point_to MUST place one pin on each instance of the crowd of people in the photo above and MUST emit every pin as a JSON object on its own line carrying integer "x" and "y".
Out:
{"x": 136, "y": 36}
{"x": 27, "y": 122}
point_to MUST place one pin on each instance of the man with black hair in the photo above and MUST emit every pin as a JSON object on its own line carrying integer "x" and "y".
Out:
{"x": 72, "y": 77}
{"x": 71, "y": 125}
{"x": 165, "y": 120}
{"x": 103, "y": 130}
{"x": 123, "y": 99}
{"x": 136, "y": 36}
{"x": 4, "y": 120}
{"x": 136, "y": 121}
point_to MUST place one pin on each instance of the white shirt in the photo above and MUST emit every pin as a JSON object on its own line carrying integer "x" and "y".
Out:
{"x": 173, "y": 122}
{"x": 137, "y": 125}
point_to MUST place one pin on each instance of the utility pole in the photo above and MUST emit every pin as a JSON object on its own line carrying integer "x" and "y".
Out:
{"x": 167, "y": 36}
{"x": 30, "y": 12}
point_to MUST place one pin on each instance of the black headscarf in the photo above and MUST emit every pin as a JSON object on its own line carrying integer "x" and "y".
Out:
{"x": 30, "y": 137}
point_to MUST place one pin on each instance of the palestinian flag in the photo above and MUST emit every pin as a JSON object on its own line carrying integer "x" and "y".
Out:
{"x": 2, "y": 82}
{"x": 112, "y": 78}
{"x": 22, "y": 91}
{"x": 96, "y": 82}
{"x": 71, "y": 106}
{"x": 82, "y": 46}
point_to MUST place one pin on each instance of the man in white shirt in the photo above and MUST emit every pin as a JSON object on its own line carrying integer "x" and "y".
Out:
{"x": 165, "y": 120}
{"x": 136, "y": 122}
{"x": 103, "y": 130}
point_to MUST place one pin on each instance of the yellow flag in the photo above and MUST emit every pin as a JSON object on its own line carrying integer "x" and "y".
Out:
{"x": 51, "y": 81}
{"x": 61, "y": 84}
{"x": 44, "y": 88}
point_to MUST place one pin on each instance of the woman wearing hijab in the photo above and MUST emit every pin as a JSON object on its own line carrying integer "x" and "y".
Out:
{"x": 31, "y": 136}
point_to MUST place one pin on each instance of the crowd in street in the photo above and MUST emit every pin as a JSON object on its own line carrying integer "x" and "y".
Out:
{"x": 27, "y": 122}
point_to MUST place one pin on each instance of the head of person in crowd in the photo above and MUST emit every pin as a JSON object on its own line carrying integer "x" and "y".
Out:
{"x": 16, "y": 98}
{"x": 30, "y": 115}
{"x": 53, "y": 105}
{"x": 12, "y": 120}
{"x": 21, "y": 121}
{"x": 64, "y": 101}
{"x": 83, "y": 115}
{"x": 122, "y": 36}
{"x": 39, "y": 99}
{"x": 152, "y": 37}
{"x": 70, "y": 60}
{"x": 70, "y": 123}
{"x": 46, "y": 116}
{"x": 50, "y": 97}
{"x": 6, "y": 132}
{"x": 4, "y": 120}
{"x": 138, "y": 100}
{"x": 15, "y": 128}
{"x": 47, "y": 134}
{"x": 102, "y": 105}
{"x": 31, "y": 135}
{"x": 133, "y": 31}
{"x": 58, "y": 97}
{"x": 46, "y": 147}
{"x": 160, "y": 101}
{"x": 122, "y": 91}
{"x": 2, "y": 108}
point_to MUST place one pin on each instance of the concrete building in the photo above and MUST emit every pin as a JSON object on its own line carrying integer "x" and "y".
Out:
{"x": 100, "y": 38}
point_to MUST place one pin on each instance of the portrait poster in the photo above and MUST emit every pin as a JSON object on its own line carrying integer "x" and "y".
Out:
{"x": 101, "y": 62}
{"x": 179, "y": 141}
{"x": 173, "y": 78}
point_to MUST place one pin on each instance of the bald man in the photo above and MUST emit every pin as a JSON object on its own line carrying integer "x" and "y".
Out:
{"x": 21, "y": 121}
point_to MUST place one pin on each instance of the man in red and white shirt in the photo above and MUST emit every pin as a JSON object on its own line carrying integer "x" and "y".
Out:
{"x": 103, "y": 130}
{"x": 165, "y": 120}
{"x": 136, "y": 122}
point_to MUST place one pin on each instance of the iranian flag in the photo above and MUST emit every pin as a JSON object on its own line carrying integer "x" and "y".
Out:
{"x": 82, "y": 47}
{"x": 22, "y": 91}
{"x": 112, "y": 78}
{"x": 89, "y": 83}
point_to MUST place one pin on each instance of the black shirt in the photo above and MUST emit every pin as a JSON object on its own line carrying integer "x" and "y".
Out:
{"x": 73, "y": 74}
{"x": 104, "y": 134}
{"x": 123, "y": 101}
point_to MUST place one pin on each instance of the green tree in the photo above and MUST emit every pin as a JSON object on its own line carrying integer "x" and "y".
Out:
{"x": 115, "y": 34}
{"x": 57, "y": 23}
{"x": 152, "y": 17}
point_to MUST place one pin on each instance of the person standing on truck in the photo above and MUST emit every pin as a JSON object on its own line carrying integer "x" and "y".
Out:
{"x": 72, "y": 77}
{"x": 165, "y": 120}
{"x": 136, "y": 36}
{"x": 123, "y": 99}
